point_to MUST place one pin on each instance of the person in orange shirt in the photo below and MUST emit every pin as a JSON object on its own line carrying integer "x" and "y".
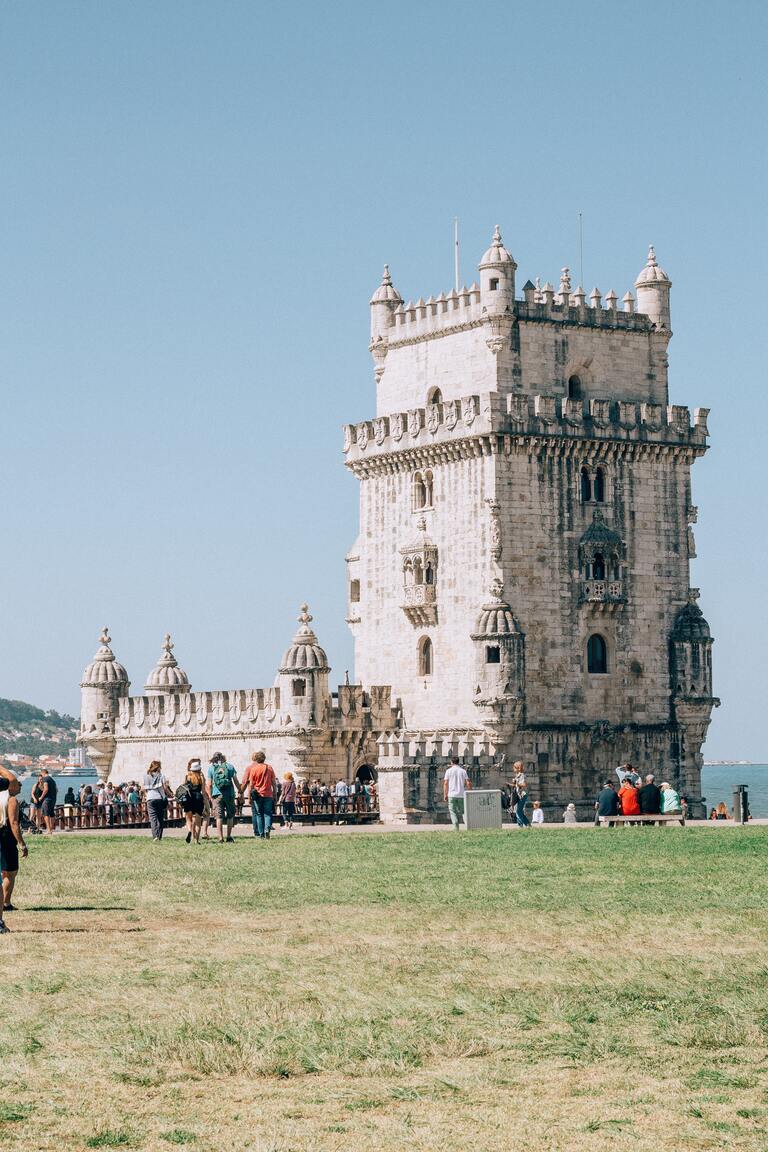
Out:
{"x": 628, "y": 798}
{"x": 260, "y": 782}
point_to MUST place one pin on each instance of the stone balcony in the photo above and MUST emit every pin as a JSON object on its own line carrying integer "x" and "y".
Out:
{"x": 419, "y": 602}
{"x": 605, "y": 594}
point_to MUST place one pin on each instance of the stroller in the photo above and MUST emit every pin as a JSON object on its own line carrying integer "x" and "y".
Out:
{"x": 27, "y": 825}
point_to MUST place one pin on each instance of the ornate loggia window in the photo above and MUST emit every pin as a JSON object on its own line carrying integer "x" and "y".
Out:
{"x": 602, "y": 555}
{"x": 419, "y": 561}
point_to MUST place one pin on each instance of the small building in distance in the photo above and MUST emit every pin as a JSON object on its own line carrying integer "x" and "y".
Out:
{"x": 520, "y": 586}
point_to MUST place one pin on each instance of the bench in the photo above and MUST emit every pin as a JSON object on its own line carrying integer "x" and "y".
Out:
{"x": 654, "y": 818}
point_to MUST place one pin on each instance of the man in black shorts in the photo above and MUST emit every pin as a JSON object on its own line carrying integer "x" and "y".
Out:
{"x": 11, "y": 839}
{"x": 48, "y": 789}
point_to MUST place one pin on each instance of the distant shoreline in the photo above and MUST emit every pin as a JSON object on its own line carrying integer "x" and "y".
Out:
{"x": 732, "y": 764}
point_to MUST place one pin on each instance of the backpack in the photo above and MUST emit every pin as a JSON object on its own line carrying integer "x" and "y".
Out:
{"x": 182, "y": 793}
{"x": 221, "y": 777}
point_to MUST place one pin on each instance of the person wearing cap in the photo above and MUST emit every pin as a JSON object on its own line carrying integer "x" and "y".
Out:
{"x": 569, "y": 816}
{"x": 607, "y": 803}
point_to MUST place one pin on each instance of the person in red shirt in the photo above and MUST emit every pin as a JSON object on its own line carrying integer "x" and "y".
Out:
{"x": 628, "y": 798}
{"x": 260, "y": 781}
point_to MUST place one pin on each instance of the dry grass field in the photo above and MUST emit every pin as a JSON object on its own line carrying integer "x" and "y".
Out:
{"x": 544, "y": 990}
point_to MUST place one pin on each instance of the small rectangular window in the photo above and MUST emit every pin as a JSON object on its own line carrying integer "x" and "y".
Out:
{"x": 299, "y": 688}
{"x": 492, "y": 654}
{"x": 494, "y": 285}
{"x": 354, "y": 591}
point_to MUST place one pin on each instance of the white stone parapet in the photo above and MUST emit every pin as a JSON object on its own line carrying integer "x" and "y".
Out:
{"x": 517, "y": 415}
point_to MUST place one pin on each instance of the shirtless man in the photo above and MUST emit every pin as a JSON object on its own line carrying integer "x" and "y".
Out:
{"x": 11, "y": 839}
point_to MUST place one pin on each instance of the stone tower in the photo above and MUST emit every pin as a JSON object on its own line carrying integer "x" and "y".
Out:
{"x": 521, "y": 576}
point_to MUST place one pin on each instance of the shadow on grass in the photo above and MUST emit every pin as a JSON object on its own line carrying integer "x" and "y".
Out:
{"x": 79, "y": 908}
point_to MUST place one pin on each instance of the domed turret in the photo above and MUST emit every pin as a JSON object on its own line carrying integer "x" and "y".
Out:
{"x": 691, "y": 652}
{"x": 497, "y": 277}
{"x": 653, "y": 287}
{"x": 384, "y": 301}
{"x": 499, "y": 655}
{"x": 303, "y": 675}
{"x": 105, "y": 682}
{"x": 305, "y": 654}
{"x": 166, "y": 676}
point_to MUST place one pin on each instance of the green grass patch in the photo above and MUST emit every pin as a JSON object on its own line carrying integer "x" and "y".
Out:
{"x": 382, "y": 991}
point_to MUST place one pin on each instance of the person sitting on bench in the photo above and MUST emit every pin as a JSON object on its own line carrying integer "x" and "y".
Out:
{"x": 650, "y": 797}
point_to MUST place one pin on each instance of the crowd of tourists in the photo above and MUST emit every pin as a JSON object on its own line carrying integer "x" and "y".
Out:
{"x": 214, "y": 796}
{"x": 637, "y": 797}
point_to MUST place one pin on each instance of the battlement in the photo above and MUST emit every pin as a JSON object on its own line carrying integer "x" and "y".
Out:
{"x": 488, "y": 415}
{"x": 243, "y": 711}
{"x": 447, "y": 312}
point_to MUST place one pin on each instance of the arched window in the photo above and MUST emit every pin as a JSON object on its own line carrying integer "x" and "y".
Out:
{"x": 419, "y": 491}
{"x": 418, "y": 575}
{"x": 429, "y": 574}
{"x": 597, "y": 655}
{"x": 599, "y": 486}
{"x": 598, "y": 567}
{"x": 574, "y": 387}
{"x": 586, "y": 486}
{"x": 434, "y": 396}
{"x": 425, "y": 656}
{"x": 615, "y": 567}
{"x": 428, "y": 489}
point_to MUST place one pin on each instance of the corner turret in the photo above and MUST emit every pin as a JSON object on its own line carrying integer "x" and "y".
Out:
{"x": 653, "y": 287}
{"x": 166, "y": 676}
{"x": 384, "y": 302}
{"x": 303, "y": 676}
{"x": 499, "y": 645}
{"x": 497, "y": 278}
{"x": 105, "y": 682}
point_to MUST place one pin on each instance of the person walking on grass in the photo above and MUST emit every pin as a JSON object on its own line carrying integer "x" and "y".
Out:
{"x": 223, "y": 781}
{"x": 456, "y": 784}
{"x": 11, "y": 841}
{"x": 261, "y": 782}
{"x": 158, "y": 792}
{"x": 193, "y": 801}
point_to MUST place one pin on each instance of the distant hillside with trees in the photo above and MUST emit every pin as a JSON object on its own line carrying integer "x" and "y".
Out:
{"x": 32, "y": 732}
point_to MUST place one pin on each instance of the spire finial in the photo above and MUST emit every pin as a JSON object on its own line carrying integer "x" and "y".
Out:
{"x": 105, "y": 637}
{"x": 386, "y": 278}
{"x": 496, "y": 235}
{"x": 305, "y": 617}
{"x": 497, "y": 588}
{"x": 651, "y": 256}
{"x": 565, "y": 280}
{"x": 167, "y": 645}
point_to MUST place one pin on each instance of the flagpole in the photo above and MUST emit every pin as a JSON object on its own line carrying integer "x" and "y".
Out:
{"x": 456, "y": 252}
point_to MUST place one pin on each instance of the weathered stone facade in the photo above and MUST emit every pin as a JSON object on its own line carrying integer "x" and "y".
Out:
{"x": 521, "y": 576}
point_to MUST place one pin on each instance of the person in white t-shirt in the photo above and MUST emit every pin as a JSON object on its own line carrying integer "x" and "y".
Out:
{"x": 456, "y": 782}
{"x": 537, "y": 816}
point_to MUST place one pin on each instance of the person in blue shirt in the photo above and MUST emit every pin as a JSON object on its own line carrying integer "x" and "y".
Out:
{"x": 223, "y": 781}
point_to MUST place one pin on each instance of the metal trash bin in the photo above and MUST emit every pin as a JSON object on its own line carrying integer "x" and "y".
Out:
{"x": 741, "y": 803}
{"x": 482, "y": 808}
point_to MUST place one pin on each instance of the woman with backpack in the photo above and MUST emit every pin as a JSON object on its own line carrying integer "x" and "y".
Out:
{"x": 157, "y": 791}
{"x": 191, "y": 796}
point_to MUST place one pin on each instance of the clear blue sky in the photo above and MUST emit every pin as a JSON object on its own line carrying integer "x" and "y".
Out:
{"x": 196, "y": 202}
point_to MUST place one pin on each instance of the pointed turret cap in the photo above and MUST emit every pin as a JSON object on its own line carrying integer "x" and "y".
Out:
{"x": 386, "y": 292}
{"x": 652, "y": 274}
{"x": 690, "y": 623}
{"x": 305, "y": 654}
{"x": 166, "y": 676}
{"x": 104, "y": 669}
{"x": 497, "y": 253}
